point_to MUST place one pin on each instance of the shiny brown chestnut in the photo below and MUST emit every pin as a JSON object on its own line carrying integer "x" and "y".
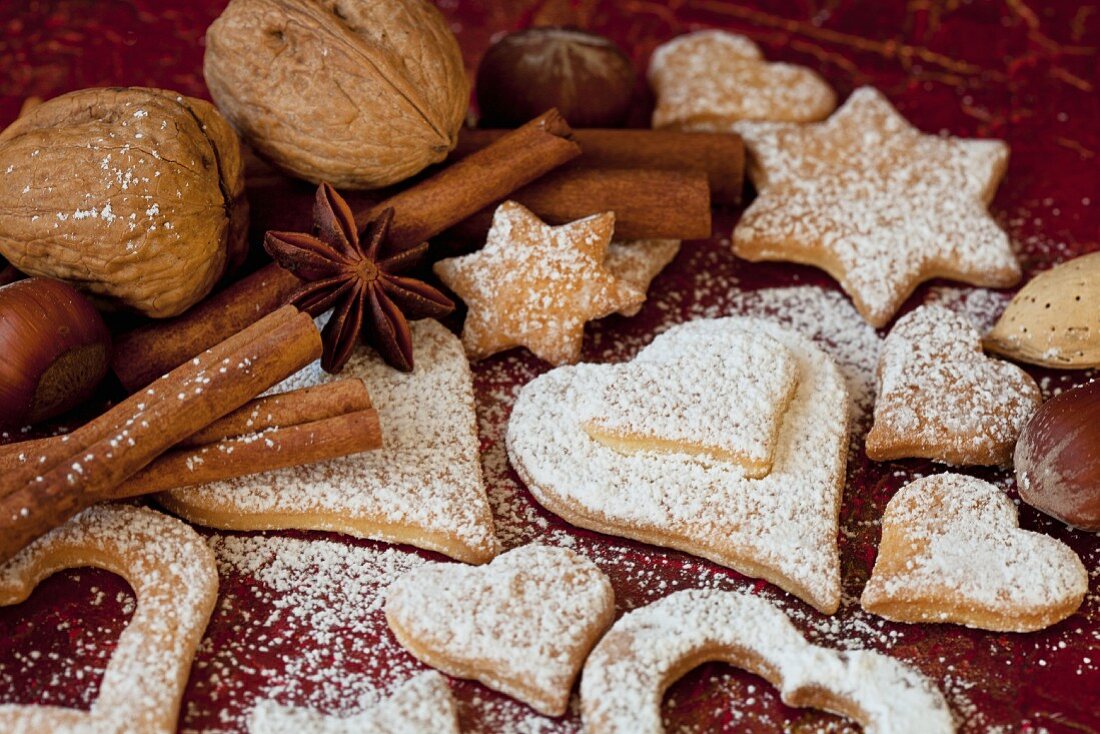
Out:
{"x": 585, "y": 76}
{"x": 1058, "y": 458}
{"x": 54, "y": 350}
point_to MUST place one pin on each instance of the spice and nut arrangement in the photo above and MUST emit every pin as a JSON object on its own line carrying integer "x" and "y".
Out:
{"x": 631, "y": 370}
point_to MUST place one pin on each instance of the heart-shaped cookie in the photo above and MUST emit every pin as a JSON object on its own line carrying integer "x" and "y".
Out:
{"x": 782, "y": 527}
{"x": 952, "y": 551}
{"x": 940, "y": 398}
{"x": 522, "y": 625}
{"x": 710, "y": 80}
{"x": 421, "y": 705}
{"x": 649, "y": 648}
{"x": 668, "y": 406}
{"x": 175, "y": 580}
{"x": 423, "y": 487}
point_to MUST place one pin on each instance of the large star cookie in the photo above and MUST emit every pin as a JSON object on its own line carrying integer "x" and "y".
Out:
{"x": 711, "y": 79}
{"x": 781, "y": 527}
{"x": 940, "y": 398}
{"x": 877, "y": 204}
{"x": 535, "y": 286}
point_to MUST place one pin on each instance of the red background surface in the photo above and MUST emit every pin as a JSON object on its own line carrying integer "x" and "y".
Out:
{"x": 1023, "y": 72}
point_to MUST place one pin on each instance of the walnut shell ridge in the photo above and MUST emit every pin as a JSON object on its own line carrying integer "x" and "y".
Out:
{"x": 133, "y": 195}
{"x": 358, "y": 93}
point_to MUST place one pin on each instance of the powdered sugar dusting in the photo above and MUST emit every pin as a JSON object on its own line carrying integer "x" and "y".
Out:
{"x": 523, "y": 624}
{"x": 781, "y": 527}
{"x": 625, "y": 676}
{"x": 960, "y": 548}
{"x": 710, "y": 79}
{"x": 940, "y": 397}
{"x": 422, "y": 705}
{"x": 876, "y": 203}
{"x": 423, "y": 486}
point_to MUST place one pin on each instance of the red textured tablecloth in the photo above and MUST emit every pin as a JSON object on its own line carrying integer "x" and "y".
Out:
{"x": 1025, "y": 72}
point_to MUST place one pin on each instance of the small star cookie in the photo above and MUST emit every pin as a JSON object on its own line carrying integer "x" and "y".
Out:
{"x": 875, "y": 203}
{"x": 638, "y": 262}
{"x": 535, "y": 286}
{"x": 710, "y": 80}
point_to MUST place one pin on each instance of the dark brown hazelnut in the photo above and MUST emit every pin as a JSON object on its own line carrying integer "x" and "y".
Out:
{"x": 1058, "y": 458}
{"x": 56, "y": 350}
{"x": 586, "y": 76}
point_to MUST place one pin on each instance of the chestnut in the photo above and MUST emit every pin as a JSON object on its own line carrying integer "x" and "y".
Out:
{"x": 1058, "y": 458}
{"x": 585, "y": 76}
{"x": 54, "y": 350}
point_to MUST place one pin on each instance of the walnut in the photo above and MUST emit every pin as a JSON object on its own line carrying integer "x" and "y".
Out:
{"x": 358, "y": 93}
{"x": 133, "y": 195}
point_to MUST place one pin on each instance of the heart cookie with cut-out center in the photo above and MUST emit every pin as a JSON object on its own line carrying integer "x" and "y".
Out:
{"x": 649, "y": 648}
{"x": 522, "y": 625}
{"x": 422, "y": 705}
{"x": 423, "y": 487}
{"x": 710, "y": 80}
{"x": 941, "y": 398}
{"x": 668, "y": 406}
{"x": 952, "y": 551}
{"x": 781, "y": 527}
{"x": 175, "y": 580}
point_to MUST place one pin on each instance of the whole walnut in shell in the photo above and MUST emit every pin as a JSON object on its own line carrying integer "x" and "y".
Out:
{"x": 358, "y": 93}
{"x": 133, "y": 195}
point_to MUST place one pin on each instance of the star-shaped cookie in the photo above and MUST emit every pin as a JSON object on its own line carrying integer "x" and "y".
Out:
{"x": 876, "y": 203}
{"x": 535, "y": 286}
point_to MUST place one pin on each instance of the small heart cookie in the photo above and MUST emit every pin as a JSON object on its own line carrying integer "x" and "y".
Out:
{"x": 952, "y": 551}
{"x": 175, "y": 580}
{"x": 649, "y": 648}
{"x": 522, "y": 625}
{"x": 423, "y": 487}
{"x": 781, "y": 527}
{"x": 711, "y": 79}
{"x": 421, "y": 705}
{"x": 940, "y": 398}
{"x": 663, "y": 406}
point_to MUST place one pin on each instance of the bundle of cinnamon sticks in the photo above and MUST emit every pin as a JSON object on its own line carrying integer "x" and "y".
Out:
{"x": 200, "y": 422}
{"x": 658, "y": 183}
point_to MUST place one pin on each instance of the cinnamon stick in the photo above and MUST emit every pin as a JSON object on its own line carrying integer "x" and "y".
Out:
{"x": 282, "y": 410}
{"x": 420, "y": 212}
{"x": 647, "y": 203}
{"x": 276, "y": 448}
{"x": 719, "y": 155}
{"x": 99, "y": 456}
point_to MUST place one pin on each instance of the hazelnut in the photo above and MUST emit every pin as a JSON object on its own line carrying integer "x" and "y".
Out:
{"x": 133, "y": 195}
{"x": 56, "y": 350}
{"x": 1058, "y": 458}
{"x": 358, "y": 93}
{"x": 586, "y": 76}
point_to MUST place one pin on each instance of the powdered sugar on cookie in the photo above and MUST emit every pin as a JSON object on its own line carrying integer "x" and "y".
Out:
{"x": 877, "y": 204}
{"x": 940, "y": 397}
{"x": 782, "y": 527}
{"x": 952, "y": 551}
{"x": 709, "y": 80}
{"x": 421, "y": 705}
{"x": 422, "y": 487}
{"x": 671, "y": 406}
{"x": 637, "y": 263}
{"x": 175, "y": 581}
{"x": 628, "y": 672}
{"x": 523, "y": 624}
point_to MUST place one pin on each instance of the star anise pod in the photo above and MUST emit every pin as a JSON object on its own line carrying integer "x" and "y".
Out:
{"x": 357, "y": 279}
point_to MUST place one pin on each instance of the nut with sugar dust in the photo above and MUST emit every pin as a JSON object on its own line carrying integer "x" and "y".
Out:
{"x": 357, "y": 93}
{"x": 133, "y": 195}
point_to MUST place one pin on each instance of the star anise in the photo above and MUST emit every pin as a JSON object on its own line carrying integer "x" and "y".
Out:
{"x": 357, "y": 281}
